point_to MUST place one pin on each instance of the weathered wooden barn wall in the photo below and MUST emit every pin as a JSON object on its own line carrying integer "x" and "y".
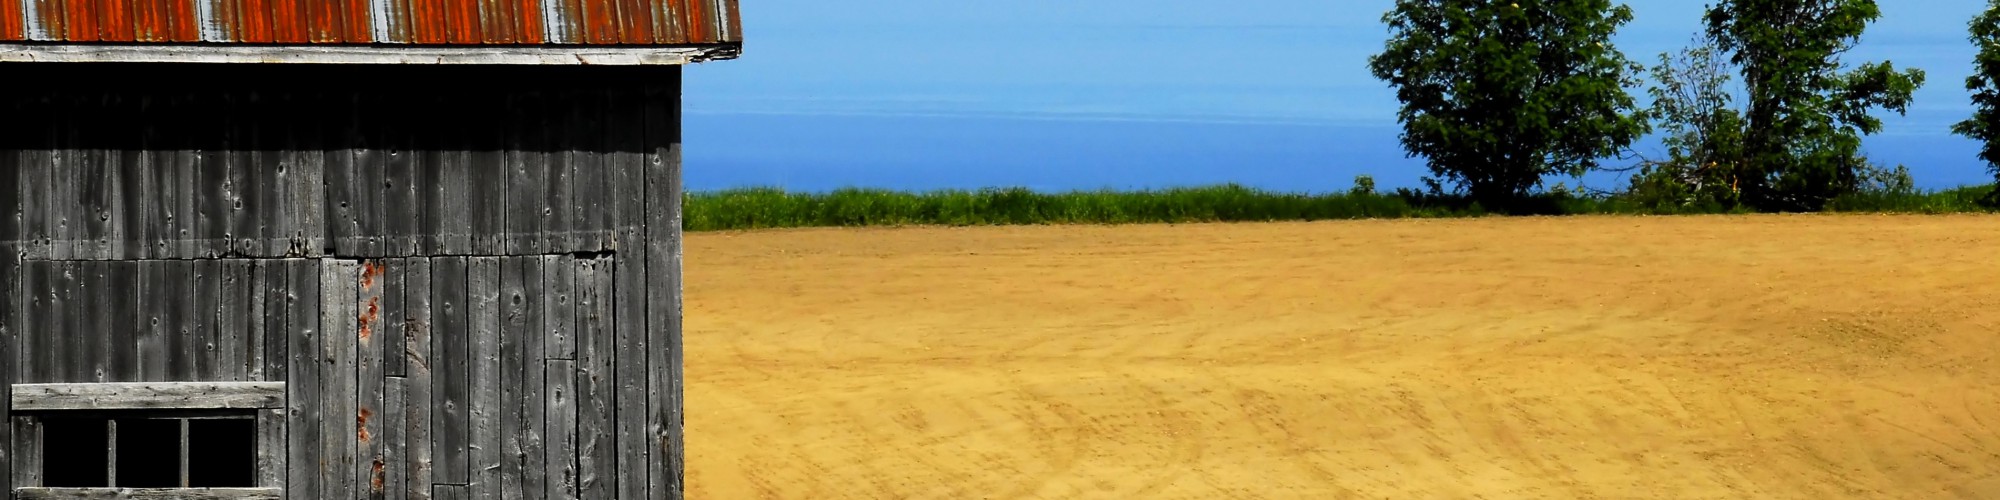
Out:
{"x": 467, "y": 277}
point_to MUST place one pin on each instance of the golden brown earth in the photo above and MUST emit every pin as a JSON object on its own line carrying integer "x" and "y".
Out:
{"x": 1594, "y": 357}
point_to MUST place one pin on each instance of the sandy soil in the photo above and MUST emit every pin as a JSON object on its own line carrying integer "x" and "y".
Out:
{"x": 1701, "y": 357}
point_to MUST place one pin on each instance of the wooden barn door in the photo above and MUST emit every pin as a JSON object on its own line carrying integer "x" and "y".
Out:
{"x": 460, "y": 377}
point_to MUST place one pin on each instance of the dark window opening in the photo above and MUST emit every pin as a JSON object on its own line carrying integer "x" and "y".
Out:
{"x": 225, "y": 455}
{"x": 73, "y": 453}
{"x": 149, "y": 451}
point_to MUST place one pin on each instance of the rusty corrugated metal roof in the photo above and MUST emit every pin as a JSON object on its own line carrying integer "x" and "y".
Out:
{"x": 371, "y": 22}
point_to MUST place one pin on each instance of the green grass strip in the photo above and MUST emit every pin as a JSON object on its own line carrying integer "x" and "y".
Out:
{"x": 764, "y": 208}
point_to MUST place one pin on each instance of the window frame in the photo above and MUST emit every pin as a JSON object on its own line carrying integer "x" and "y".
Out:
{"x": 261, "y": 402}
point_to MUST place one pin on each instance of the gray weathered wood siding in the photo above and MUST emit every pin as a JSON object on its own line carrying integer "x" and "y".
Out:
{"x": 466, "y": 277}
{"x": 124, "y": 162}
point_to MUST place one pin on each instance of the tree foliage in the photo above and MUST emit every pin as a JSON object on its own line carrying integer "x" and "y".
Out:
{"x": 1497, "y": 95}
{"x": 1984, "y": 126}
{"x": 1703, "y": 131}
{"x": 1806, "y": 111}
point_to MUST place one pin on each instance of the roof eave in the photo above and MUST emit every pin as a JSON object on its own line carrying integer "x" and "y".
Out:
{"x": 373, "y": 54}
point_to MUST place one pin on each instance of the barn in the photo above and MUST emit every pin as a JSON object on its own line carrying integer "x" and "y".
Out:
{"x": 319, "y": 249}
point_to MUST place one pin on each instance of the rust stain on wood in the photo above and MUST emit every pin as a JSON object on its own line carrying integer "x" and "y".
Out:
{"x": 371, "y": 271}
{"x": 361, "y": 429}
{"x": 369, "y": 316}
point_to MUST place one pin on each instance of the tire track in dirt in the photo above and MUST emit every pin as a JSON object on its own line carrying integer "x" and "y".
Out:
{"x": 1695, "y": 357}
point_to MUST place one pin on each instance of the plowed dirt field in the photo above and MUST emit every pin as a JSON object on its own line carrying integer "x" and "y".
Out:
{"x": 1593, "y": 357}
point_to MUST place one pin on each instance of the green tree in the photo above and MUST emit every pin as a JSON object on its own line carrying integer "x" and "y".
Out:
{"x": 1807, "y": 111}
{"x": 1497, "y": 95}
{"x": 1694, "y": 109}
{"x": 1984, "y": 83}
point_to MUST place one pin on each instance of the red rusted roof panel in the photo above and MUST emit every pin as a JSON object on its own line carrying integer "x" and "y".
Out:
{"x": 13, "y": 19}
{"x": 371, "y": 22}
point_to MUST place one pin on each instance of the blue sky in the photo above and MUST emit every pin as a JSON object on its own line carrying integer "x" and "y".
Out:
{"x": 1128, "y": 94}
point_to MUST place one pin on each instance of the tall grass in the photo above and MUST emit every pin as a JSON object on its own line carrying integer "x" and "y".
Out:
{"x": 759, "y": 208}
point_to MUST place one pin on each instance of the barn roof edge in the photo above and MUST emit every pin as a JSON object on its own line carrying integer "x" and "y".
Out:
{"x": 322, "y": 54}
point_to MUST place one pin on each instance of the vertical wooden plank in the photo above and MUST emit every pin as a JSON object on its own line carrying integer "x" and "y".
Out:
{"x": 55, "y": 324}
{"x": 522, "y": 329}
{"x": 303, "y": 398}
{"x": 306, "y": 188}
{"x": 487, "y": 200}
{"x": 597, "y": 466}
{"x": 226, "y": 358}
{"x": 65, "y": 167}
{"x": 154, "y": 326}
{"x": 76, "y": 352}
{"x": 557, "y": 208}
{"x": 628, "y": 133}
{"x": 418, "y": 360}
{"x": 239, "y": 181}
{"x": 451, "y": 359}
{"x": 271, "y": 439}
{"x": 36, "y": 172}
{"x": 141, "y": 166}
{"x": 560, "y": 309}
{"x": 342, "y": 202}
{"x": 590, "y": 176}
{"x": 664, "y": 387}
{"x": 276, "y": 331}
{"x": 429, "y": 140}
{"x": 213, "y": 193}
{"x": 395, "y": 445}
{"x": 113, "y": 309}
{"x": 402, "y": 206}
{"x": 483, "y": 316}
{"x": 368, "y": 460}
{"x": 101, "y": 191}
{"x": 256, "y": 221}
{"x": 32, "y": 325}
{"x": 370, "y": 158}
{"x": 394, "y": 326}
{"x": 252, "y": 349}
{"x": 453, "y": 492}
{"x": 527, "y": 181}
{"x": 180, "y": 178}
{"x": 561, "y": 453}
{"x": 27, "y": 451}
{"x": 337, "y": 383}
{"x": 275, "y": 154}
{"x": 126, "y": 320}
{"x": 205, "y": 320}
{"x": 177, "y": 308}
{"x": 13, "y": 292}
{"x": 455, "y": 189}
